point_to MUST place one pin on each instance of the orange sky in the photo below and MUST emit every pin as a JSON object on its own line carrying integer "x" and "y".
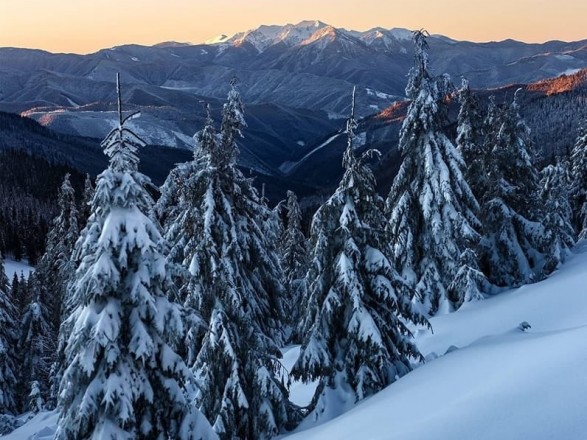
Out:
{"x": 84, "y": 26}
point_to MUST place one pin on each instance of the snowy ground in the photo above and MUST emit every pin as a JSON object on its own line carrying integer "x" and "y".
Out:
{"x": 500, "y": 382}
{"x": 496, "y": 382}
{"x": 11, "y": 267}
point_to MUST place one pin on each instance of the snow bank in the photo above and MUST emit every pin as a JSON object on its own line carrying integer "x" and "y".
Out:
{"x": 500, "y": 382}
{"x": 40, "y": 427}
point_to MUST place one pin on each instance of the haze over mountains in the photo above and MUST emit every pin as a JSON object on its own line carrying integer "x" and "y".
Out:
{"x": 296, "y": 81}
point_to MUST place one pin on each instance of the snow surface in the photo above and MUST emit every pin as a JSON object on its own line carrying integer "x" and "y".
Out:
{"x": 12, "y": 267}
{"x": 570, "y": 71}
{"x": 496, "y": 381}
{"x": 299, "y": 393}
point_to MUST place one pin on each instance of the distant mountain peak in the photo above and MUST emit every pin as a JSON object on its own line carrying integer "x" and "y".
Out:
{"x": 268, "y": 35}
{"x": 310, "y": 23}
{"x": 328, "y": 32}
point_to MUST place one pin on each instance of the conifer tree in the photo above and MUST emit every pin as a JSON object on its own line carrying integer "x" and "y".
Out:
{"x": 294, "y": 261}
{"x": 431, "y": 209}
{"x": 557, "y": 221}
{"x": 123, "y": 379}
{"x": 36, "y": 347}
{"x": 223, "y": 235}
{"x": 578, "y": 190}
{"x": 470, "y": 283}
{"x": 469, "y": 142}
{"x": 56, "y": 268}
{"x": 8, "y": 341}
{"x": 20, "y": 294}
{"x": 513, "y": 238}
{"x": 55, "y": 272}
{"x": 357, "y": 306}
{"x": 86, "y": 201}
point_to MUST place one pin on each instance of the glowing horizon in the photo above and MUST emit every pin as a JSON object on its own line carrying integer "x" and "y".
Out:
{"x": 85, "y": 27}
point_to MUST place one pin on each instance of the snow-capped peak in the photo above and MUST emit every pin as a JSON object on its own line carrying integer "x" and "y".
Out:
{"x": 328, "y": 33}
{"x": 401, "y": 34}
{"x": 307, "y": 32}
{"x": 293, "y": 35}
{"x": 265, "y": 36}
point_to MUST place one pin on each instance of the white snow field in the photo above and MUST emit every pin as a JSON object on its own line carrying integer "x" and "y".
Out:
{"x": 12, "y": 267}
{"x": 501, "y": 383}
{"x": 496, "y": 382}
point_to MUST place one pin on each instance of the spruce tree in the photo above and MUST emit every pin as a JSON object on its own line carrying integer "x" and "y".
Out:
{"x": 513, "y": 238}
{"x": 357, "y": 307}
{"x": 56, "y": 268}
{"x": 223, "y": 236}
{"x": 431, "y": 209}
{"x": 470, "y": 283}
{"x": 86, "y": 201}
{"x": 294, "y": 261}
{"x": 55, "y": 272}
{"x": 20, "y": 294}
{"x": 123, "y": 378}
{"x": 8, "y": 341}
{"x": 469, "y": 141}
{"x": 557, "y": 221}
{"x": 36, "y": 347}
{"x": 578, "y": 191}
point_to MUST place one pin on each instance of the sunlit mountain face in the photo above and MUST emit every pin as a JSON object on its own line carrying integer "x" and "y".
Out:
{"x": 296, "y": 82}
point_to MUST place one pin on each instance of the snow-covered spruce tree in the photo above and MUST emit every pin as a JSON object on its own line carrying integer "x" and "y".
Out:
{"x": 20, "y": 294}
{"x": 557, "y": 220}
{"x": 294, "y": 261}
{"x": 8, "y": 341}
{"x": 55, "y": 268}
{"x": 512, "y": 236}
{"x": 55, "y": 271}
{"x": 431, "y": 209}
{"x": 356, "y": 339}
{"x": 36, "y": 347}
{"x": 176, "y": 208}
{"x": 470, "y": 139}
{"x": 470, "y": 283}
{"x": 229, "y": 248}
{"x": 578, "y": 190}
{"x": 86, "y": 201}
{"x": 123, "y": 379}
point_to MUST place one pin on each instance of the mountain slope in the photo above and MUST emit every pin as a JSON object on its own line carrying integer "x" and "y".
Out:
{"x": 496, "y": 381}
{"x": 306, "y": 65}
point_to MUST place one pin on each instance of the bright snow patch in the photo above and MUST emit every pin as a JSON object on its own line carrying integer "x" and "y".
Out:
{"x": 570, "y": 71}
{"x": 380, "y": 95}
{"x": 40, "y": 427}
{"x": 12, "y": 267}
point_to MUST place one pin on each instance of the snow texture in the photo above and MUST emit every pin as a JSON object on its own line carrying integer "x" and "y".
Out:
{"x": 497, "y": 382}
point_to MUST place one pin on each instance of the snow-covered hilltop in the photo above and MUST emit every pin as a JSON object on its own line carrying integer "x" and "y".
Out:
{"x": 309, "y": 31}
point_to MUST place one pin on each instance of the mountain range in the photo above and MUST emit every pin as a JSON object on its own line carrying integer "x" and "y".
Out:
{"x": 296, "y": 82}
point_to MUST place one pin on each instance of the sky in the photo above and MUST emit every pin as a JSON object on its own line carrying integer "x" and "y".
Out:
{"x": 85, "y": 26}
